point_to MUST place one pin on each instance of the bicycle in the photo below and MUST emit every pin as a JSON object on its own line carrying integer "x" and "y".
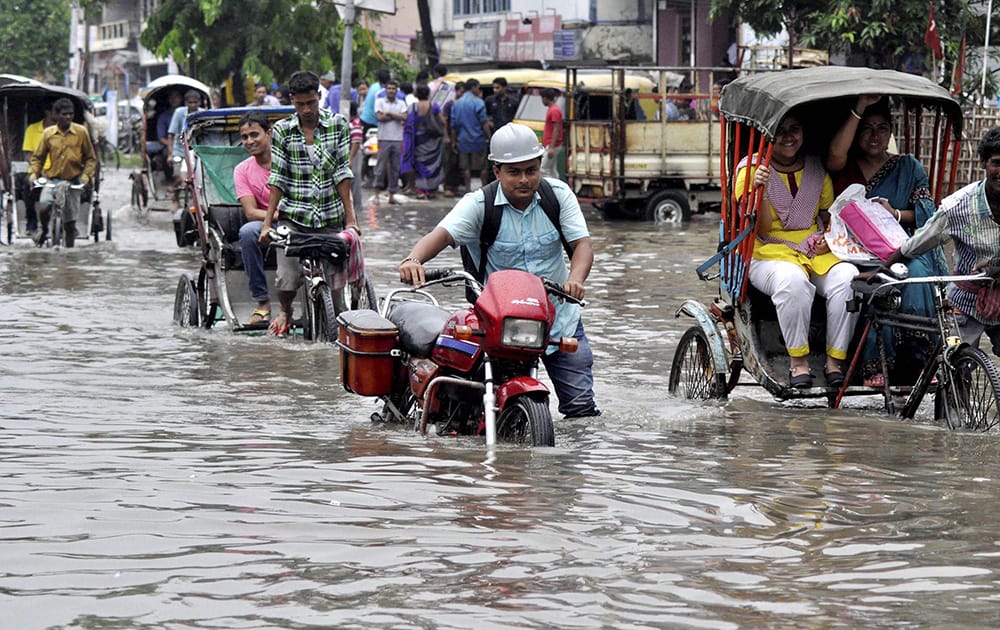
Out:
{"x": 320, "y": 255}
{"x": 61, "y": 227}
{"x": 964, "y": 380}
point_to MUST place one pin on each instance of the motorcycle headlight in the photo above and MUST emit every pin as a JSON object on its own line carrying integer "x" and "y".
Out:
{"x": 523, "y": 333}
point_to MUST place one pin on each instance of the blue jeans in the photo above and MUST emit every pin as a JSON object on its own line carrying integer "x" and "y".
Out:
{"x": 572, "y": 377}
{"x": 253, "y": 259}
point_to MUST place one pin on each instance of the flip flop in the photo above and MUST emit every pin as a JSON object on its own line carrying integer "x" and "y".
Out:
{"x": 259, "y": 316}
{"x": 279, "y": 327}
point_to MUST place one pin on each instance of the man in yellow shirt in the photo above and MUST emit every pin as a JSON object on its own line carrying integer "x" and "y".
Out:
{"x": 32, "y": 134}
{"x": 73, "y": 160}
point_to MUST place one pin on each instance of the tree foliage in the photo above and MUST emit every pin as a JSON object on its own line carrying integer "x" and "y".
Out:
{"x": 875, "y": 33}
{"x": 266, "y": 39}
{"x": 35, "y": 36}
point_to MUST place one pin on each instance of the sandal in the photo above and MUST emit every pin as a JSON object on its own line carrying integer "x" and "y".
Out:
{"x": 800, "y": 381}
{"x": 279, "y": 327}
{"x": 834, "y": 378}
{"x": 259, "y": 316}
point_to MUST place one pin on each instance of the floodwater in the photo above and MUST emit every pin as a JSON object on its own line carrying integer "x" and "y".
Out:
{"x": 158, "y": 477}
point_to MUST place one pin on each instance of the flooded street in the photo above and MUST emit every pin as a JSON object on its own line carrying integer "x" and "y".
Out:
{"x": 159, "y": 477}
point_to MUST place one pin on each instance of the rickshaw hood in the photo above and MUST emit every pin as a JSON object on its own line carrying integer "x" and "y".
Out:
{"x": 762, "y": 100}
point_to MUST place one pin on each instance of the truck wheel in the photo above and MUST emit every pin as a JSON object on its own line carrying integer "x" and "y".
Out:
{"x": 668, "y": 206}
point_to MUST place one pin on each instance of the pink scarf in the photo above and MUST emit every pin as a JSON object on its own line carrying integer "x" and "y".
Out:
{"x": 798, "y": 212}
{"x": 354, "y": 270}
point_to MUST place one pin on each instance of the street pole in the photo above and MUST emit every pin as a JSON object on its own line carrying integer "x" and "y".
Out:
{"x": 347, "y": 60}
{"x": 986, "y": 50}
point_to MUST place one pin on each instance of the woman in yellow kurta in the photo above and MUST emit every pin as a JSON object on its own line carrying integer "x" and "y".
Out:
{"x": 791, "y": 260}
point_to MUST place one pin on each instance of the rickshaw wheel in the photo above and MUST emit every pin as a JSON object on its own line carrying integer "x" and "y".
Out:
{"x": 668, "y": 206}
{"x": 186, "y": 312}
{"x": 976, "y": 388}
{"x": 691, "y": 372}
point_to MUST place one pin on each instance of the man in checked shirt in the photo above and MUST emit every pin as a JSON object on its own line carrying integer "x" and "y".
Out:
{"x": 310, "y": 182}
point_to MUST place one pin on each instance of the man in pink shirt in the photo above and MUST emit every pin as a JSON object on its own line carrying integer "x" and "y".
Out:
{"x": 551, "y": 134}
{"x": 250, "y": 177}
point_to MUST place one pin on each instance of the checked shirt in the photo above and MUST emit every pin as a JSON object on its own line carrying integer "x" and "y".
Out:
{"x": 307, "y": 180}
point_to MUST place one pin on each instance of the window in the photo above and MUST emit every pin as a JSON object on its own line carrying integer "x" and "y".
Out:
{"x": 478, "y": 7}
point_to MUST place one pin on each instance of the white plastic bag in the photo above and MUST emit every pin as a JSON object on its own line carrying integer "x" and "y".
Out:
{"x": 843, "y": 244}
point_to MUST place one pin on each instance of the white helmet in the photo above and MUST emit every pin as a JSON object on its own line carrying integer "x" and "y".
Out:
{"x": 514, "y": 143}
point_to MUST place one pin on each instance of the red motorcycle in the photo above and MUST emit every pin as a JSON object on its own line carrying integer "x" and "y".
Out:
{"x": 468, "y": 372}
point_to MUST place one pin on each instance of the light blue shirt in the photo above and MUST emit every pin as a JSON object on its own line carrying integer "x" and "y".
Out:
{"x": 368, "y": 111}
{"x": 178, "y": 125}
{"x": 527, "y": 241}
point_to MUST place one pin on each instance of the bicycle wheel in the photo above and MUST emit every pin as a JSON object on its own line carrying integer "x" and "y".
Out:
{"x": 691, "y": 372}
{"x": 323, "y": 319}
{"x": 363, "y": 295}
{"x": 526, "y": 420}
{"x": 186, "y": 313}
{"x": 57, "y": 227}
{"x": 971, "y": 400}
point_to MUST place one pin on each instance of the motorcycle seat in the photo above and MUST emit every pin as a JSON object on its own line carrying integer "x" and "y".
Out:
{"x": 419, "y": 325}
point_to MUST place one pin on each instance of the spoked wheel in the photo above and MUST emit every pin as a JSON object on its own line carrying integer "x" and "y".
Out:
{"x": 57, "y": 228}
{"x": 186, "y": 303}
{"x": 691, "y": 372}
{"x": 972, "y": 400}
{"x": 362, "y": 295}
{"x": 323, "y": 319}
{"x": 526, "y": 420}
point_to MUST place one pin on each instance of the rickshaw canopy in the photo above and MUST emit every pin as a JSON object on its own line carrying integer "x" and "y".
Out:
{"x": 173, "y": 81}
{"x": 763, "y": 100}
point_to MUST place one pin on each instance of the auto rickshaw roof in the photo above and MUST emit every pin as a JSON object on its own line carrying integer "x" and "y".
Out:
{"x": 173, "y": 80}
{"x": 763, "y": 100}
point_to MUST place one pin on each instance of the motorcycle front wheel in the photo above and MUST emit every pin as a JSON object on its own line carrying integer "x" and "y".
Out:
{"x": 526, "y": 420}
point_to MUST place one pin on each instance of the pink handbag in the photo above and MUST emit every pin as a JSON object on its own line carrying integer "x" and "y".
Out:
{"x": 874, "y": 226}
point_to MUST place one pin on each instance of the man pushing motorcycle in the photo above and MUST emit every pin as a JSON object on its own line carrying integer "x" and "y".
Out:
{"x": 524, "y": 221}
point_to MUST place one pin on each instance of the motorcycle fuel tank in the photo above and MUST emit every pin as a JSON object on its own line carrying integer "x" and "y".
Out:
{"x": 457, "y": 354}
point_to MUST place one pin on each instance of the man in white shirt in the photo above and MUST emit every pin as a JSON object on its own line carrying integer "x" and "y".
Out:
{"x": 391, "y": 113}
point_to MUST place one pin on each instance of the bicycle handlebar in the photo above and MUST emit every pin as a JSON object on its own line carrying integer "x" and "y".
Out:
{"x": 45, "y": 182}
{"x": 889, "y": 281}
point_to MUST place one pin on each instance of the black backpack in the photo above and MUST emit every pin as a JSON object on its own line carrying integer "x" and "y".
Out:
{"x": 491, "y": 226}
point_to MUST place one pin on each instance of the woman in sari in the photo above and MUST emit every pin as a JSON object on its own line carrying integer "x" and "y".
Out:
{"x": 422, "y": 134}
{"x": 859, "y": 154}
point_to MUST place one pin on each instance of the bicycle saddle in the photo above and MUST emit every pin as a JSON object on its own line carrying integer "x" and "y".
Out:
{"x": 319, "y": 245}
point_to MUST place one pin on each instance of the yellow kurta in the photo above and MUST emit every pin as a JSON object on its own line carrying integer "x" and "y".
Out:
{"x": 779, "y": 251}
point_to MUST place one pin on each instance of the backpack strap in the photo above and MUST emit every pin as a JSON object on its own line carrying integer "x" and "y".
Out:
{"x": 491, "y": 225}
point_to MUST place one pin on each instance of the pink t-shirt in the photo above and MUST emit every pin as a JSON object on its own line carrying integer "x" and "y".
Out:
{"x": 251, "y": 180}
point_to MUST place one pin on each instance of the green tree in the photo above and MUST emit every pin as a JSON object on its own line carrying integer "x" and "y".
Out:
{"x": 35, "y": 36}
{"x": 876, "y": 33}
{"x": 214, "y": 40}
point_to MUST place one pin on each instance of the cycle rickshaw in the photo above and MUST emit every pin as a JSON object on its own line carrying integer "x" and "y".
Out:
{"x": 739, "y": 331}
{"x": 220, "y": 291}
{"x": 22, "y": 103}
{"x": 161, "y": 97}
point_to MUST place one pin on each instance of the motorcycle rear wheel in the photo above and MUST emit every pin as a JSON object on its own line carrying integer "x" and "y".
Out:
{"x": 526, "y": 420}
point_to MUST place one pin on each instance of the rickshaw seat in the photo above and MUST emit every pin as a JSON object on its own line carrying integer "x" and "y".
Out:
{"x": 228, "y": 219}
{"x": 765, "y": 322}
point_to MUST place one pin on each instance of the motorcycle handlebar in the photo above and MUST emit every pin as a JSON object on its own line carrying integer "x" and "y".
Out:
{"x": 556, "y": 289}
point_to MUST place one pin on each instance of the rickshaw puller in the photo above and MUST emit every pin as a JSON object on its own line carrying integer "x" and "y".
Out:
{"x": 67, "y": 144}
